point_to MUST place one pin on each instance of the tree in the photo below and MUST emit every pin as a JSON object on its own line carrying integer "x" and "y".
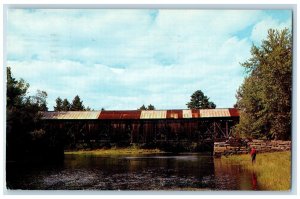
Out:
{"x": 15, "y": 99}
{"x": 22, "y": 116}
{"x": 149, "y": 107}
{"x": 142, "y": 108}
{"x": 200, "y": 101}
{"x": 264, "y": 98}
{"x": 65, "y": 105}
{"x": 16, "y": 90}
{"x": 59, "y": 104}
{"x": 39, "y": 100}
{"x": 77, "y": 104}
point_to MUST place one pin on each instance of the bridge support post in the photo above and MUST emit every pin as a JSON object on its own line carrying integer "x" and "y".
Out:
{"x": 215, "y": 129}
{"x": 227, "y": 133}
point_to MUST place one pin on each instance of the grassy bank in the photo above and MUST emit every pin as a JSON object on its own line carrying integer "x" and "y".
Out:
{"x": 116, "y": 151}
{"x": 273, "y": 170}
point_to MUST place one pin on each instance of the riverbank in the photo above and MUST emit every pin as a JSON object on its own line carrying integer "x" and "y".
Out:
{"x": 273, "y": 170}
{"x": 116, "y": 151}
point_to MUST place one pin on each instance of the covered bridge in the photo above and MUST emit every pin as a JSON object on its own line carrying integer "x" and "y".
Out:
{"x": 95, "y": 129}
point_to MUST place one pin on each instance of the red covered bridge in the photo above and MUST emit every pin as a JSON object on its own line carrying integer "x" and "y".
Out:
{"x": 150, "y": 127}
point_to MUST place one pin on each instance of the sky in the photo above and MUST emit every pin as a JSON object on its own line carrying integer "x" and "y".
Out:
{"x": 120, "y": 59}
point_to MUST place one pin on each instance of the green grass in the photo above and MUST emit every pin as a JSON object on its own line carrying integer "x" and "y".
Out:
{"x": 115, "y": 151}
{"x": 273, "y": 170}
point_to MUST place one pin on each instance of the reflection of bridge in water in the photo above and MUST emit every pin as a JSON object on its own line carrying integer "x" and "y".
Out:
{"x": 193, "y": 130}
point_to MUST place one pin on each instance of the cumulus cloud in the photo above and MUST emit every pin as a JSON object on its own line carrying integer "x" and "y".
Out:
{"x": 260, "y": 30}
{"x": 121, "y": 59}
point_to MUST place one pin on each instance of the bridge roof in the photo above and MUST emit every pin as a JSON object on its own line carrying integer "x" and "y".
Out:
{"x": 65, "y": 115}
{"x": 141, "y": 114}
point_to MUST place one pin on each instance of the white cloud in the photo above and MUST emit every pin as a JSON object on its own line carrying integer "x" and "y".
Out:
{"x": 260, "y": 30}
{"x": 121, "y": 59}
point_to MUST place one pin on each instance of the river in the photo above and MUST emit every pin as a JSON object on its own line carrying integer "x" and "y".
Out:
{"x": 133, "y": 172}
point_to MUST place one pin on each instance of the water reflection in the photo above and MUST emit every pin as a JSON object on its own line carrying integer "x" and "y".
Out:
{"x": 254, "y": 181}
{"x": 149, "y": 172}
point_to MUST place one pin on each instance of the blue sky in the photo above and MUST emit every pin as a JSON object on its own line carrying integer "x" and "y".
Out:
{"x": 121, "y": 59}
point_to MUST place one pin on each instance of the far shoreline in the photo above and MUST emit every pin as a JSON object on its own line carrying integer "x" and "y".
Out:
{"x": 140, "y": 151}
{"x": 116, "y": 151}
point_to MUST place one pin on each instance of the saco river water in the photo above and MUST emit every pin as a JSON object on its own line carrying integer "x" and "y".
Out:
{"x": 136, "y": 172}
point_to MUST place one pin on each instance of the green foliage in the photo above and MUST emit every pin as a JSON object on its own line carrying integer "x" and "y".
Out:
{"x": 77, "y": 104}
{"x": 59, "y": 104}
{"x": 22, "y": 115}
{"x": 66, "y": 106}
{"x": 16, "y": 90}
{"x": 88, "y": 108}
{"x": 264, "y": 98}
{"x": 38, "y": 134}
{"x": 39, "y": 100}
{"x": 199, "y": 100}
{"x": 150, "y": 107}
{"x": 142, "y": 108}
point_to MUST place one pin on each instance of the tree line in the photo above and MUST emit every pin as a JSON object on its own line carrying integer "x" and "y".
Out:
{"x": 149, "y": 107}
{"x": 197, "y": 101}
{"x": 264, "y": 98}
{"x": 65, "y": 105}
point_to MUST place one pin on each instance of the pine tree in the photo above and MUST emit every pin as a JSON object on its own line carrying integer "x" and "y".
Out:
{"x": 59, "y": 104}
{"x": 77, "y": 104}
{"x": 142, "y": 108}
{"x": 150, "y": 107}
{"x": 200, "y": 101}
{"x": 16, "y": 90}
{"x": 65, "y": 105}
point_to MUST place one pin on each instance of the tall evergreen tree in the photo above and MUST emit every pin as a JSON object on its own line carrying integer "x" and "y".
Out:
{"x": 16, "y": 90}
{"x": 264, "y": 99}
{"x": 65, "y": 105}
{"x": 77, "y": 104}
{"x": 151, "y": 107}
{"x": 88, "y": 109}
{"x": 200, "y": 101}
{"x": 59, "y": 104}
{"x": 142, "y": 108}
